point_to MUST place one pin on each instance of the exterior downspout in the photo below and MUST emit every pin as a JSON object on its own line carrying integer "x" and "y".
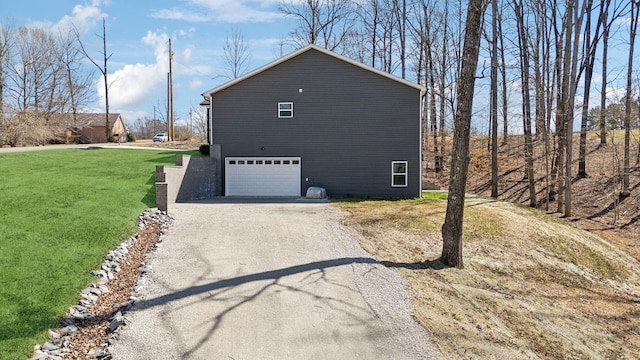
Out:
{"x": 207, "y": 104}
{"x": 210, "y": 120}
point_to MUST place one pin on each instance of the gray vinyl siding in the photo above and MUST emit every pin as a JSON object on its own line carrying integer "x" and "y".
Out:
{"x": 349, "y": 124}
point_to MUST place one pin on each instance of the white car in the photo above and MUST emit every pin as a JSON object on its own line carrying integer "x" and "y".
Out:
{"x": 161, "y": 137}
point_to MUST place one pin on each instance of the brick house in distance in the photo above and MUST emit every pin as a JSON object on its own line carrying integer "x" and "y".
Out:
{"x": 90, "y": 127}
{"x": 93, "y": 127}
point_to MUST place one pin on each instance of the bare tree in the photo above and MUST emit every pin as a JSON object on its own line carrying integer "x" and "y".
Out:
{"x": 503, "y": 72}
{"x": 325, "y": 23}
{"x": 567, "y": 44}
{"x": 603, "y": 93}
{"x": 494, "y": 98}
{"x": 146, "y": 127}
{"x": 546, "y": 81}
{"x": 77, "y": 81}
{"x": 434, "y": 68}
{"x": 199, "y": 118}
{"x": 369, "y": 14}
{"x": 633, "y": 27}
{"x": 101, "y": 68}
{"x": 40, "y": 75}
{"x": 591, "y": 43}
{"x": 452, "y": 227}
{"x": 444, "y": 69}
{"x": 32, "y": 72}
{"x": 523, "y": 41}
{"x": 400, "y": 12}
{"x": 589, "y": 58}
{"x": 236, "y": 53}
{"x": 388, "y": 38}
{"x": 5, "y": 54}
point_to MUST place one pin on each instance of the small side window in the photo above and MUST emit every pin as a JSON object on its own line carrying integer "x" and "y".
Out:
{"x": 398, "y": 173}
{"x": 285, "y": 110}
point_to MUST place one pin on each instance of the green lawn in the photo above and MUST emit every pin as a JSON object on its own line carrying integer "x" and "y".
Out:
{"x": 61, "y": 211}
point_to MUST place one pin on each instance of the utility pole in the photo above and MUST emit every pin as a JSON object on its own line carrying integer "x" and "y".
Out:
{"x": 168, "y": 118}
{"x": 191, "y": 123}
{"x": 154, "y": 119}
{"x": 171, "y": 119}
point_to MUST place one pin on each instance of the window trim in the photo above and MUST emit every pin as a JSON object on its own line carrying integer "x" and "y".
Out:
{"x": 281, "y": 110}
{"x": 405, "y": 173}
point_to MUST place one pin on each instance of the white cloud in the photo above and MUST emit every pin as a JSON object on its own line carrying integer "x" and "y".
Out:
{"x": 196, "y": 84}
{"x": 230, "y": 11}
{"x": 186, "y": 54}
{"x": 135, "y": 84}
{"x": 83, "y": 17}
{"x": 175, "y": 14}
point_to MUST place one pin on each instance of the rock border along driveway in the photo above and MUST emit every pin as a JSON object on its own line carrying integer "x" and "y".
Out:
{"x": 268, "y": 281}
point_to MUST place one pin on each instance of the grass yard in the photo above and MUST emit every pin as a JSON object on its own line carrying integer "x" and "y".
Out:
{"x": 61, "y": 211}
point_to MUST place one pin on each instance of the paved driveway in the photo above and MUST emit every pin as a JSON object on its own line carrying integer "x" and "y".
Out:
{"x": 268, "y": 281}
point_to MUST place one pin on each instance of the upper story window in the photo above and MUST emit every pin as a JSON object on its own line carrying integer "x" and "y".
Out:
{"x": 399, "y": 173}
{"x": 285, "y": 109}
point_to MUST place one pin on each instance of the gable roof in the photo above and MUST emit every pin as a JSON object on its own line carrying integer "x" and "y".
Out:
{"x": 84, "y": 119}
{"x": 302, "y": 51}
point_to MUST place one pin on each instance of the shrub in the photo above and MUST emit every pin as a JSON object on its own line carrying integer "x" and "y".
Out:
{"x": 131, "y": 137}
{"x": 204, "y": 149}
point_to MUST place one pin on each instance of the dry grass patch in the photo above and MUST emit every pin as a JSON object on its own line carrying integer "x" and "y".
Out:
{"x": 534, "y": 286}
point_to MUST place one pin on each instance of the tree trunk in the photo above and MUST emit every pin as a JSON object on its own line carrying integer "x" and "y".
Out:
{"x": 603, "y": 94}
{"x": 106, "y": 83}
{"x": 526, "y": 102}
{"x": 505, "y": 102}
{"x": 573, "y": 42}
{"x": 452, "y": 227}
{"x": 443, "y": 79}
{"x": 432, "y": 106}
{"x": 635, "y": 9}
{"x": 494, "y": 99}
{"x": 588, "y": 74}
{"x": 402, "y": 24}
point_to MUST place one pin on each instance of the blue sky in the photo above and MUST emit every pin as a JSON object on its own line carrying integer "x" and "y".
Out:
{"x": 138, "y": 33}
{"x": 137, "y": 36}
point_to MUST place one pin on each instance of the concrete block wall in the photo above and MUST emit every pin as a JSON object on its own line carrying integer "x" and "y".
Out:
{"x": 168, "y": 181}
{"x": 193, "y": 178}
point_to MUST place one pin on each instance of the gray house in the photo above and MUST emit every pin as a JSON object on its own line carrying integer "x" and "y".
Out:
{"x": 315, "y": 118}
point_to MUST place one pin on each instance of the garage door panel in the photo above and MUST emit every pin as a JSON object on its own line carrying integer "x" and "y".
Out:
{"x": 262, "y": 176}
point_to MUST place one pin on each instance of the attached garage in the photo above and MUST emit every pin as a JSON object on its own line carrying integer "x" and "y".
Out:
{"x": 273, "y": 176}
{"x": 357, "y": 129}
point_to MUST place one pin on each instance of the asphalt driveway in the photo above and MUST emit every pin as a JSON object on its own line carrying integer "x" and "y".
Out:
{"x": 268, "y": 281}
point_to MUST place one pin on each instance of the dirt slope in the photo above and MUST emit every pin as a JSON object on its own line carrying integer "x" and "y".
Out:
{"x": 596, "y": 204}
{"x": 533, "y": 287}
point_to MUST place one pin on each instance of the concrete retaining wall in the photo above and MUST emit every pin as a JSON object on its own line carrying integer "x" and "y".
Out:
{"x": 193, "y": 178}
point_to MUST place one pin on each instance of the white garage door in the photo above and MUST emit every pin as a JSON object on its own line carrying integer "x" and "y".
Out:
{"x": 262, "y": 176}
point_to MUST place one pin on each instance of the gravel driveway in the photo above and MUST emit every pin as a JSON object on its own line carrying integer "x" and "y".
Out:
{"x": 268, "y": 281}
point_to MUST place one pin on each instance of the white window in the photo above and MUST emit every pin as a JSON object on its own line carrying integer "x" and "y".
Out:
{"x": 285, "y": 109}
{"x": 399, "y": 173}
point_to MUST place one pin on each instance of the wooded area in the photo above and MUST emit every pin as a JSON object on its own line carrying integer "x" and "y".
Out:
{"x": 545, "y": 74}
{"x": 41, "y": 73}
